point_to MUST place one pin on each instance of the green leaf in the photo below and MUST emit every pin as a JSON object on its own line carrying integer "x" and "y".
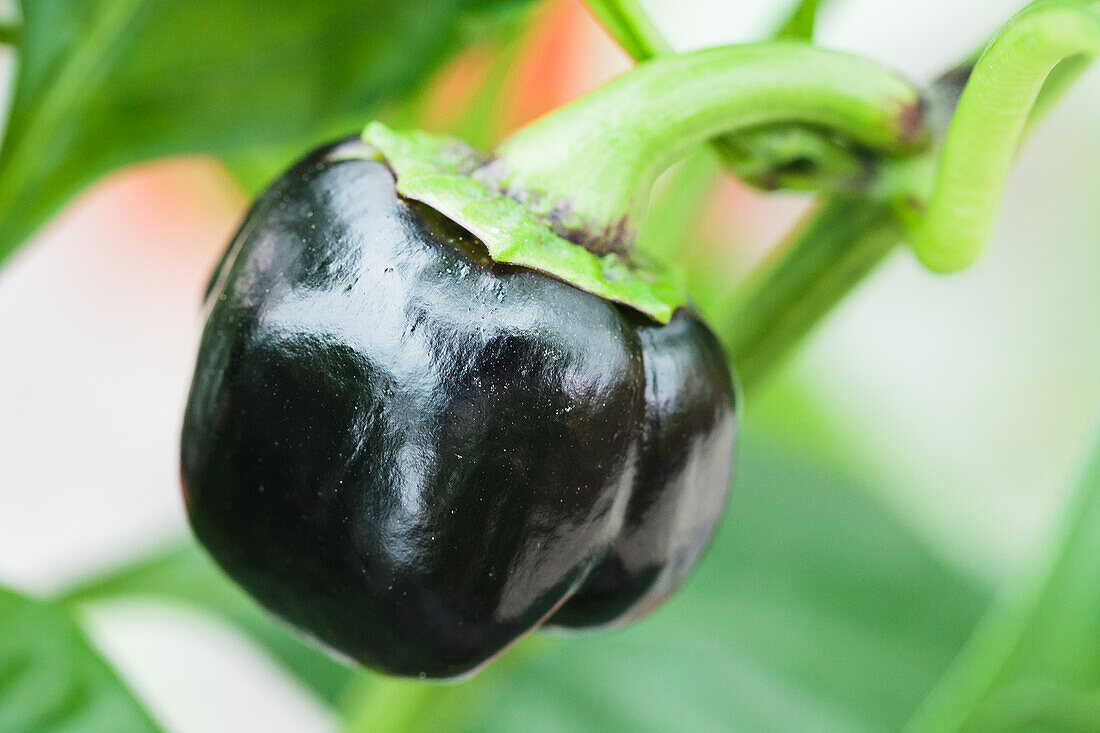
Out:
{"x": 813, "y": 611}
{"x": 185, "y": 575}
{"x": 104, "y": 83}
{"x": 1034, "y": 661}
{"x": 52, "y": 680}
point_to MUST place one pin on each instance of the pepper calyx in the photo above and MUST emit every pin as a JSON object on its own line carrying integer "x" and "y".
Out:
{"x": 440, "y": 172}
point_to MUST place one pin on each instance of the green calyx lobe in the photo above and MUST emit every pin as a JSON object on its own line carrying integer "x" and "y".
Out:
{"x": 442, "y": 173}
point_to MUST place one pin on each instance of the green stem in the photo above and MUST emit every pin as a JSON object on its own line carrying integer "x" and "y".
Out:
{"x": 1040, "y": 643}
{"x": 831, "y": 253}
{"x": 800, "y": 23}
{"x": 796, "y": 288}
{"x": 780, "y": 156}
{"x": 631, "y": 27}
{"x": 591, "y": 165}
{"x": 827, "y": 256}
{"x": 991, "y": 118}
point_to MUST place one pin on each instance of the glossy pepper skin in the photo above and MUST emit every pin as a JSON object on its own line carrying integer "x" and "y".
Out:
{"x": 417, "y": 454}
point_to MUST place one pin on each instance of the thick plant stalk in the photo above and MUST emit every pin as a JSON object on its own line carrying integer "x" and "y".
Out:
{"x": 589, "y": 163}
{"x": 778, "y": 156}
{"x": 989, "y": 123}
{"x": 836, "y": 247}
{"x": 832, "y": 250}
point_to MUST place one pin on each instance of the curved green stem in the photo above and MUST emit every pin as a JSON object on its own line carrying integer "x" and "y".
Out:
{"x": 826, "y": 257}
{"x": 779, "y": 156}
{"x": 991, "y": 118}
{"x": 590, "y": 166}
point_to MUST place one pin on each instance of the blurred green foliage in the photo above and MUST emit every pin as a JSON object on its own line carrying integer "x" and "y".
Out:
{"x": 815, "y": 609}
{"x": 1034, "y": 661}
{"x": 104, "y": 83}
{"x": 52, "y": 681}
{"x": 183, "y": 574}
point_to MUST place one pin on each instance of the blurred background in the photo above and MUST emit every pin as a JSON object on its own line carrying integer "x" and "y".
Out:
{"x": 958, "y": 406}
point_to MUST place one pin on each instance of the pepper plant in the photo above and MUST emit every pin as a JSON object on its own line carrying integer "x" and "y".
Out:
{"x": 553, "y": 447}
